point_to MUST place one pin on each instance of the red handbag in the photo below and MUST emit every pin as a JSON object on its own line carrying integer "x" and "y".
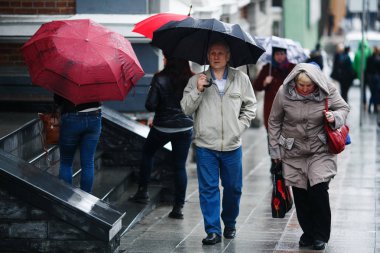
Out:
{"x": 336, "y": 138}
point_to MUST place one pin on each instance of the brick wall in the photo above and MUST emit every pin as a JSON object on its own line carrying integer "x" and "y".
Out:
{"x": 42, "y": 7}
{"x": 10, "y": 54}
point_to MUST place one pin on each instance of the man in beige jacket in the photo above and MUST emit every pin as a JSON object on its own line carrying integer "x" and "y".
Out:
{"x": 221, "y": 113}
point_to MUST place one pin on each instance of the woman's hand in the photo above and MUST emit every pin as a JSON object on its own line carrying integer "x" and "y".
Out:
{"x": 329, "y": 116}
{"x": 267, "y": 80}
{"x": 277, "y": 161}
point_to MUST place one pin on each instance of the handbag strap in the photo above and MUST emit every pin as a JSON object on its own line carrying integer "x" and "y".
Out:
{"x": 326, "y": 104}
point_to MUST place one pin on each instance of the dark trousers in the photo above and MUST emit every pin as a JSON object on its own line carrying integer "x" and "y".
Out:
{"x": 313, "y": 211}
{"x": 344, "y": 87}
{"x": 180, "y": 142}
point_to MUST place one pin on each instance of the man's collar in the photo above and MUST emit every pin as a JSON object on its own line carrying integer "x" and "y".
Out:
{"x": 225, "y": 74}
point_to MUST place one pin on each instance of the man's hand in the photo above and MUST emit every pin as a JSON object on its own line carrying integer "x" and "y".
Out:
{"x": 202, "y": 81}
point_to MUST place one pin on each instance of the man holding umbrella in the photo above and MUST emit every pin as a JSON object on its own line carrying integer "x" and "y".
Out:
{"x": 222, "y": 103}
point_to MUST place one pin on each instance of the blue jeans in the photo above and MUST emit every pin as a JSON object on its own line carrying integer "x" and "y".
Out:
{"x": 79, "y": 130}
{"x": 228, "y": 165}
{"x": 180, "y": 148}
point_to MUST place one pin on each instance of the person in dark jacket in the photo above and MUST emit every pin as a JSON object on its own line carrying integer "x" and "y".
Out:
{"x": 343, "y": 71}
{"x": 170, "y": 124}
{"x": 373, "y": 74}
{"x": 270, "y": 78}
{"x": 80, "y": 128}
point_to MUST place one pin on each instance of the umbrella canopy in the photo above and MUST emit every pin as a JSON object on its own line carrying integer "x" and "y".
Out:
{"x": 147, "y": 26}
{"x": 295, "y": 52}
{"x": 190, "y": 38}
{"x": 82, "y": 61}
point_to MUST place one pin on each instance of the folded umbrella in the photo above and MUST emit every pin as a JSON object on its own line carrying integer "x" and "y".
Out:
{"x": 190, "y": 39}
{"x": 82, "y": 61}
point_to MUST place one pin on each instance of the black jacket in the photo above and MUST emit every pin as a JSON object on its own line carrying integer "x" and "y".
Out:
{"x": 163, "y": 100}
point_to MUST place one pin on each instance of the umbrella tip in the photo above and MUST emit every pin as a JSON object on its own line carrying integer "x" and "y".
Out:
{"x": 191, "y": 6}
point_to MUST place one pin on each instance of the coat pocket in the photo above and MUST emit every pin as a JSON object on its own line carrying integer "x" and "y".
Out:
{"x": 287, "y": 143}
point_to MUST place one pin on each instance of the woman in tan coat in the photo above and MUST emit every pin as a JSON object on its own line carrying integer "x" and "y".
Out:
{"x": 298, "y": 140}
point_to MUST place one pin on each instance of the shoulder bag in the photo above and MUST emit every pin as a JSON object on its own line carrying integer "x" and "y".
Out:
{"x": 336, "y": 138}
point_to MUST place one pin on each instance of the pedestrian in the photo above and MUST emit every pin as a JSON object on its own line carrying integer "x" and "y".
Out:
{"x": 316, "y": 56}
{"x": 170, "y": 124}
{"x": 221, "y": 113}
{"x": 269, "y": 79}
{"x": 358, "y": 67}
{"x": 373, "y": 75}
{"x": 297, "y": 139}
{"x": 343, "y": 71}
{"x": 80, "y": 128}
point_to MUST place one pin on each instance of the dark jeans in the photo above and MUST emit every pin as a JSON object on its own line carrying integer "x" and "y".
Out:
{"x": 313, "y": 211}
{"x": 180, "y": 142}
{"x": 79, "y": 130}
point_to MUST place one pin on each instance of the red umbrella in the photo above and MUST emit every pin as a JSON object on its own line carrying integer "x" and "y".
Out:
{"x": 82, "y": 61}
{"x": 147, "y": 26}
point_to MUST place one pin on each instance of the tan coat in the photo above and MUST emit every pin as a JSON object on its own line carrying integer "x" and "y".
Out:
{"x": 219, "y": 121}
{"x": 296, "y": 133}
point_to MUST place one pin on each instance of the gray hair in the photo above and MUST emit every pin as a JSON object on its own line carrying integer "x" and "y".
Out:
{"x": 221, "y": 43}
{"x": 303, "y": 76}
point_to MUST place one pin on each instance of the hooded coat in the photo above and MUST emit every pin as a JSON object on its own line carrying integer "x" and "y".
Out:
{"x": 296, "y": 129}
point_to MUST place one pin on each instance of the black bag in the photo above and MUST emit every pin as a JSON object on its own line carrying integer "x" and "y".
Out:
{"x": 282, "y": 200}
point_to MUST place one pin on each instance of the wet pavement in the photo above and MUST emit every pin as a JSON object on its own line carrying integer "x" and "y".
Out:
{"x": 353, "y": 194}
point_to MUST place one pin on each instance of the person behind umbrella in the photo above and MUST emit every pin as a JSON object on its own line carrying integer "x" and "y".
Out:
{"x": 170, "y": 124}
{"x": 221, "y": 113}
{"x": 80, "y": 128}
{"x": 269, "y": 79}
{"x": 297, "y": 139}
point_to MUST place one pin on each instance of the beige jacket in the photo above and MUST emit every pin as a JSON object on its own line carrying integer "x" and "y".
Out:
{"x": 296, "y": 133}
{"x": 219, "y": 120}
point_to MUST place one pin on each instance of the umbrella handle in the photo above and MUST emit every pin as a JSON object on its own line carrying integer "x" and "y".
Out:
{"x": 210, "y": 82}
{"x": 191, "y": 6}
{"x": 270, "y": 68}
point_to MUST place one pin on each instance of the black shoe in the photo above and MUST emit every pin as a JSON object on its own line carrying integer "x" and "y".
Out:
{"x": 176, "y": 213}
{"x": 305, "y": 241}
{"x": 229, "y": 233}
{"x": 141, "y": 196}
{"x": 319, "y": 245}
{"x": 211, "y": 239}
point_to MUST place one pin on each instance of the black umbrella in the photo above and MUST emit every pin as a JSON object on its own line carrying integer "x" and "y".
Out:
{"x": 190, "y": 38}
